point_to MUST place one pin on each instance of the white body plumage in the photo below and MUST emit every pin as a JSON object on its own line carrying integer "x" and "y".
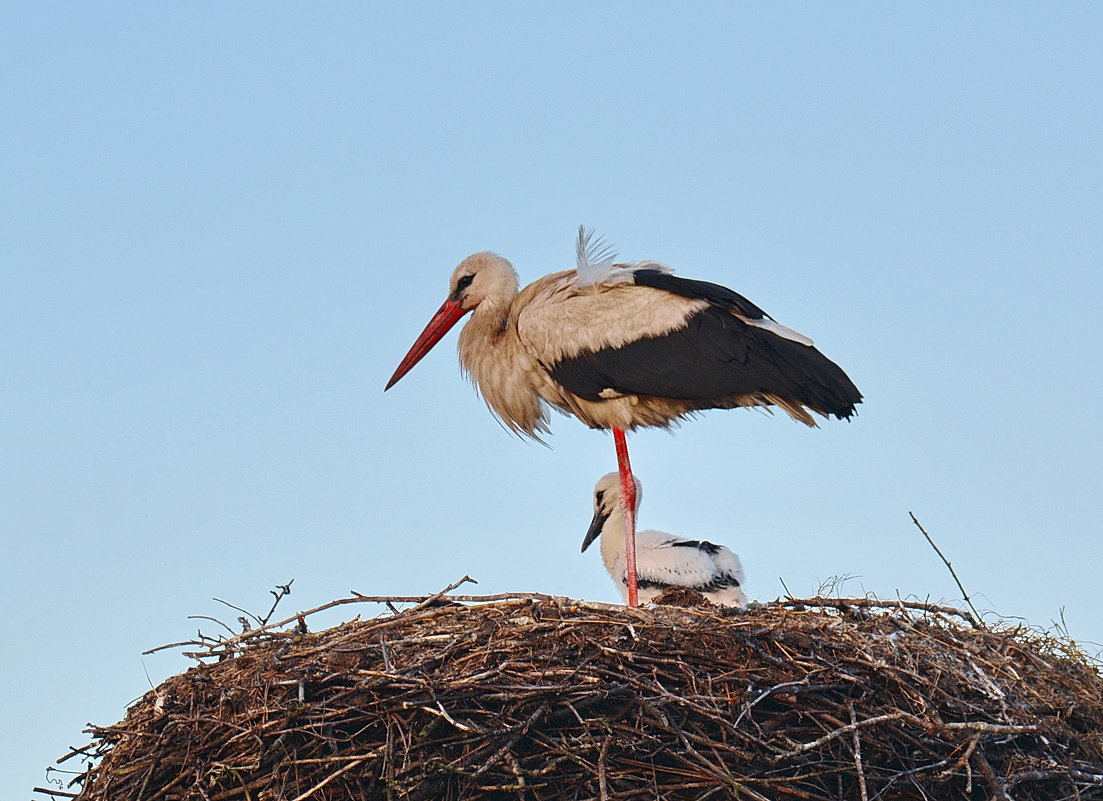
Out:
{"x": 662, "y": 560}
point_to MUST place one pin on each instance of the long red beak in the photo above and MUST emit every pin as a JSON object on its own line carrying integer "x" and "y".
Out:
{"x": 447, "y": 316}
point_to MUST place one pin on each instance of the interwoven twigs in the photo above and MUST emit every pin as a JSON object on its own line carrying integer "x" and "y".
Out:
{"x": 534, "y": 697}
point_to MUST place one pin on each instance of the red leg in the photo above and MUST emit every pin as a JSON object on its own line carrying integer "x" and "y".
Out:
{"x": 628, "y": 501}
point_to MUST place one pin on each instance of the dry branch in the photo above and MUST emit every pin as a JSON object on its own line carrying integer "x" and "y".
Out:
{"x": 965, "y": 596}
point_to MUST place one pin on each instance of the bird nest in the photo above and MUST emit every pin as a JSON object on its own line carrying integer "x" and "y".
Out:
{"x": 540, "y": 697}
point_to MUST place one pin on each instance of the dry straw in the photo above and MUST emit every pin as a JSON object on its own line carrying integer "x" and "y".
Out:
{"x": 539, "y": 697}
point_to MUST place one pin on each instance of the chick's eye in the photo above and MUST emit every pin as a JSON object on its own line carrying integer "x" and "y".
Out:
{"x": 600, "y": 497}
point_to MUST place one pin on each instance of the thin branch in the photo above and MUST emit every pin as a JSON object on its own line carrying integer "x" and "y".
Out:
{"x": 977, "y": 621}
{"x": 238, "y": 608}
{"x": 978, "y": 726}
{"x": 989, "y": 728}
{"x": 963, "y": 760}
{"x": 213, "y": 620}
{"x": 438, "y": 596}
{"x": 995, "y": 783}
{"x": 1050, "y": 775}
{"x": 82, "y": 751}
{"x": 831, "y": 735}
{"x": 873, "y": 603}
{"x": 858, "y": 755}
{"x": 328, "y": 779}
{"x": 181, "y": 644}
{"x": 602, "y": 780}
{"x": 284, "y": 589}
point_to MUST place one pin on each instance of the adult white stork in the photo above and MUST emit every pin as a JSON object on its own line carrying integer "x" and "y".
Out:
{"x": 662, "y": 560}
{"x": 622, "y": 346}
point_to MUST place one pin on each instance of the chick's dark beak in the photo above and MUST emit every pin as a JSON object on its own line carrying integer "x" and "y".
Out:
{"x": 595, "y": 528}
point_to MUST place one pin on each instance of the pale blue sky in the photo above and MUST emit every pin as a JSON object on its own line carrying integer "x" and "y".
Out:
{"x": 223, "y": 226}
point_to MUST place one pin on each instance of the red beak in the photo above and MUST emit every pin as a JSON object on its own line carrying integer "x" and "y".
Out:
{"x": 447, "y": 316}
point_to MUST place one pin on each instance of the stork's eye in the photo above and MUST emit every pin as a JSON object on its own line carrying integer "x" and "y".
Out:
{"x": 463, "y": 284}
{"x": 600, "y": 497}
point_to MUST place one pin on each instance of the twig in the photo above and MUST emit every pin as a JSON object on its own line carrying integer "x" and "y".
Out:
{"x": 238, "y": 608}
{"x": 762, "y": 695}
{"x": 988, "y": 728}
{"x": 858, "y": 755}
{"x": 995, "y": 783}
{"x": 181, "y": 644}
{"x": 963, "y": 760}
{"x": 214, "y": 620}
{"x": 82, "y": 751}
{"x": 328, "y": 779}
{"x": 1049, "y": 775}
{"x": 873, "y": 603}
{"x": 977, "y": 726}
{"x": 356, "y": 599}
{"x": 513, "y": 739}
{"x": 440, "y": 711}
{"x": 437, "y": 596}
{"x": 831, "y": 735}
{"x": 329, "y": 760}
{"x": 284, "y": 589}
{"x": 602, "y": 781}
{"x": 246, "y": 635}
{"x": 977, "y": 621}
{"x": 1090, "y": 778}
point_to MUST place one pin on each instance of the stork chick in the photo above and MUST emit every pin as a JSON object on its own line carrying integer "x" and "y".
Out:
{"x": 662, "y": 560}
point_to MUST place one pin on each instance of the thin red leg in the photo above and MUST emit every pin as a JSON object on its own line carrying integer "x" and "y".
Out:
{"x": 628, "y": 501}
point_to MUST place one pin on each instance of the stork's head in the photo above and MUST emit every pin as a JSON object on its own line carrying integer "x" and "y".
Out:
{"x": 480, "y": 278}
{"x": 607, "y": 504}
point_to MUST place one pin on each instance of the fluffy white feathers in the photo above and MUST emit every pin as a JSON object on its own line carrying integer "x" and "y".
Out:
{"x": 662, "y": 560}
{"x": 593, "y": 258}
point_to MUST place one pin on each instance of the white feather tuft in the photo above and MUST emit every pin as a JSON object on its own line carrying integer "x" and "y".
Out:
{"x": 594, "y": 257}
{"x": 782, "y": 331}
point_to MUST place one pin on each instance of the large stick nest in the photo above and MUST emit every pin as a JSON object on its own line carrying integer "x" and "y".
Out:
{"x": 538, "y": 697}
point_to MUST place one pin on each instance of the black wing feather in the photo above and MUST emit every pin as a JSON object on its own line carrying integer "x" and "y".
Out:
{"x": 721, "y": 582}
{"x": 714, "y": 356}
{"x": 699, "y": 290}
{"x": 702, "y": 545}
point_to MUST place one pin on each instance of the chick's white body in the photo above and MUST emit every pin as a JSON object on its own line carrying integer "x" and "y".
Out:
{"x": 662, "y": 560}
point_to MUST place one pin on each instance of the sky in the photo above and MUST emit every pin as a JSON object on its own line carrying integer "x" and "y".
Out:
{"x": 224, "y": 224}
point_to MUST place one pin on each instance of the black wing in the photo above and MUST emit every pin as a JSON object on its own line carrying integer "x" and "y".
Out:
{"x": 713, "y": 357}
{"x": 701, "y": 545}
{"x": 699, "y": 290}
{"x": 721, "y": 582}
